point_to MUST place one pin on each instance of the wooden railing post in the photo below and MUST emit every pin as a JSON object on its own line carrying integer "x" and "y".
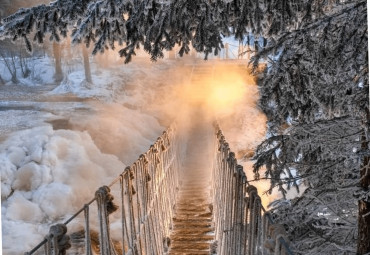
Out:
{"x": 105, "y": 207}
{"x": 87, "y": 230}
{"x": 239, "y": 226}
{"x": 58, "y": 241}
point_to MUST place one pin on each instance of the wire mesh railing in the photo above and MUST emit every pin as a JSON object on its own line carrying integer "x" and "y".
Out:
{"x": 242, "y": 226}
{"x": 147, "y": 191}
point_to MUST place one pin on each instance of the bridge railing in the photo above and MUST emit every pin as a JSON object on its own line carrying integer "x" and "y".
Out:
{"x": 242, "y": 226}
{"x": 147, "y": 191}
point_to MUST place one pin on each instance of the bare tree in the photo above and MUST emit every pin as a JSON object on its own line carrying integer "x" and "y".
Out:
{"x": 10, "y": 63}
{"x": 86, "y": 60}
{"x": 2, "y": 82}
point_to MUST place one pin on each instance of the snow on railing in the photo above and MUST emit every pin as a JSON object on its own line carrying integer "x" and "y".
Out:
{"x": 147, "y": 191}
{"x": 242, "y": 225}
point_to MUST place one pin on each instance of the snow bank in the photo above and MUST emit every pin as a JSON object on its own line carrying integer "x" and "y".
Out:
{"x": 101, "y": 88}
{"x": 46, "y": 176}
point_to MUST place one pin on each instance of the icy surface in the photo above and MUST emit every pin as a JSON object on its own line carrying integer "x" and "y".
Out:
{"x": 47, "y": 174}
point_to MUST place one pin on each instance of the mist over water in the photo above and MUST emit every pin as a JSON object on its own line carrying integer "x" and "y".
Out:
{"x": 227, "y": 94}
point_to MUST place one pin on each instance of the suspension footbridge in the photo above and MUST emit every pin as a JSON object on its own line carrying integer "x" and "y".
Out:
{"x": 186, "y": 195}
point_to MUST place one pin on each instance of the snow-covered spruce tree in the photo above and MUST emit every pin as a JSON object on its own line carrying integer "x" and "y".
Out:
{"x": 156, "y": 26}
{"x": 314, "y": 90}
{"x": 159, "y": 25}
{"x": 315, "y": 94}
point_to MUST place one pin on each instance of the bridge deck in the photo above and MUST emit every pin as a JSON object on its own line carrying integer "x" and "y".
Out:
{"x": 193, "y": 224}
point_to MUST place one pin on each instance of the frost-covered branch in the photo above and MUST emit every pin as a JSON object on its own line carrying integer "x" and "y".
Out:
{"x": 315, "y": 93}
{"x": 159, "y": 25}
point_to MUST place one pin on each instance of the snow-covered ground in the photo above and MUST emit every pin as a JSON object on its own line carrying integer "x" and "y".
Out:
{"x": 60, "y": 143}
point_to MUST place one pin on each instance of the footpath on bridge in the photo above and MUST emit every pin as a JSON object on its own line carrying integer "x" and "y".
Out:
{"x": 193, "y": 230}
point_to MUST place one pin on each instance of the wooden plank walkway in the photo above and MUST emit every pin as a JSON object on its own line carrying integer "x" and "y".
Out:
{"x": 193, "y": 230}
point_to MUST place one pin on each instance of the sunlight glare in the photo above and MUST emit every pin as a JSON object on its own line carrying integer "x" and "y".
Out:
{"x": 219, "y": 92}
{"x": 226, "y": 91}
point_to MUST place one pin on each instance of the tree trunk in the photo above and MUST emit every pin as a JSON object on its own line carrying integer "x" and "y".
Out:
{"x": 58, "y": 76}
{"x": 226, "y": 51}
{"x": 363, "y": 243}
{"x": 1, "y": 81}
{"x": 10, "y": 65}
{"x": 85, "y": 55}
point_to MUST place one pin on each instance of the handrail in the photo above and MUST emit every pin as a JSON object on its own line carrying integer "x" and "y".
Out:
{"x": 151, "y": 183}
{"x": 251, "y": 227}
{"x": 65, "y": 223}
{"x": 147, "y": 199}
